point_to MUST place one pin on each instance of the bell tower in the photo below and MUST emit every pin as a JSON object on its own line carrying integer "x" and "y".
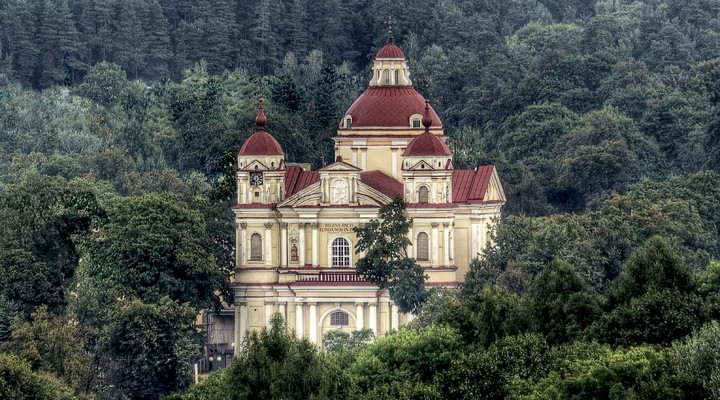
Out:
{"x": 261, "y": 166}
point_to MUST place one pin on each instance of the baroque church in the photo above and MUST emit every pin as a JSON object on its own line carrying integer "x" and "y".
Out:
{"x": 294, "y": 226}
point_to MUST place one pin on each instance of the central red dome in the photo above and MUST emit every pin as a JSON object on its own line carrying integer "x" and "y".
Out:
{"x": 389, "y": 106}
{"x": 390, "y": 51}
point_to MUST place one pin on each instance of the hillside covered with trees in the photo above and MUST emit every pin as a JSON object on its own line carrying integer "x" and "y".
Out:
{"x": 119, "y": 122}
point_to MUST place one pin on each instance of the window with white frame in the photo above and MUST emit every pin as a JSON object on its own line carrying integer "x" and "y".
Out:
{"x": 423, "y": 250}
{"x": 255, "y": 247}
{"x": 339, "y": 318}
{"x": 340, "y": 252}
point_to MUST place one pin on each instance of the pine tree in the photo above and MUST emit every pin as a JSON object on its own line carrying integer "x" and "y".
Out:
{"x": 264, "y": 38}
{"x": 59, "y": 44}
{"x": 159, "y": 52}
{"x": 128, "y": 40}
{"x": 17, "y": 27}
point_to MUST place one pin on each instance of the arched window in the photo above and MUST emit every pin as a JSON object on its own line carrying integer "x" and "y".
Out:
{"x": 397, "y": 77}
{"x": 423, "y": 194}
{"x": 348, "y": 122}
{"x": 423, "y": 250}
{"x": 340, "y": 252}
{"x": 387, "y": 77}
{"x": 255, "y": 247}
{"x": 339, "y": 318}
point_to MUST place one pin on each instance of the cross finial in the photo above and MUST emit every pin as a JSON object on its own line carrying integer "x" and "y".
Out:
{"x": 390, "y": 39}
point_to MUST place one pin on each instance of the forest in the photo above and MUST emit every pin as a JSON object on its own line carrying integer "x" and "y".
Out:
{"x": 120, "y": 120}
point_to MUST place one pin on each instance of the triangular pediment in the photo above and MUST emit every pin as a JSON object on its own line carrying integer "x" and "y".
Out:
{"x": 340, "y": 166}
{"x": 252, "y": 166}
{"x": 311, "y": 196}
{"x": 422, "y": 165}
{"x": 495, "y": 191}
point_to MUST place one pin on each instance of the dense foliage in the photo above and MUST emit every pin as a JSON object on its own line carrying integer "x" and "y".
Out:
{"x": 119, "y": 121}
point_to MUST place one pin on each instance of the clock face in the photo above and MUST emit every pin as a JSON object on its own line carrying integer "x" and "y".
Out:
{"x": 256, "y": 178}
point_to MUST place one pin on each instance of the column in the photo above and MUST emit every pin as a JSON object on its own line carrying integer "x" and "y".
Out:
{"x": 446, "y": 243}
{"x": 243, "y": 244}
{"x": 315, "y": 240}
{"x": 393, "y": 162}
{"x": 281, "y": 310}
{"x": 240, "y": 326}
{"x": 409, "y": 248}
{"x": 359, "y": 316}
{"x": 372, "y": 323}
{"x": 299, "y": 328}
{"x": 312, "y": 323}
{"x": 238, "y": 245}
{"x": 394, "y": 317}
{"x": 283, "y": 244}
{"x": 268, "y": 243}
{"x": 452, "y": 243}
{"x": 269, "y": 309}
{"x": 434, "y": 248}
{"x": 301, "y": 245}
{"x": 363, "y": 159}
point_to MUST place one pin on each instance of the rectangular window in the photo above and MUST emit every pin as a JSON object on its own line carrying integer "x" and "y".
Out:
{"x": 416, "y": 123}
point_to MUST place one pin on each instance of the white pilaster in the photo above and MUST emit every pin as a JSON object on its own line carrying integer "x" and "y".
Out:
{"x": 434, "y": 247}
{"x": 359, "y": 316}
{"x": 282, "y": 311}
{"x": 313, "y": 323}
{"x": 409, "y": 249}
{"x": 242, "y": 248}
{"x": 240, "y": 326}
{"x": 446, "y": 243}
{"x": 238, "y": 244}
{"x": 283, "y": 244}
{"x": 301, "y": 245}
{"x": 268, "y": 243}
{"x": 363, "y": 159}
{"x": 372, "y": 316}
{"x": 269, "y": 309}
{"x": 393, "y": 162}
{"x": 299, "y": 328}
{"x": 315, "y": 240}
{"x": 394, "y": 317}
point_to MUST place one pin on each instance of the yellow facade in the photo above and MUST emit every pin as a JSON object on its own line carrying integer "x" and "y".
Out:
{"x": 294, "y": 227}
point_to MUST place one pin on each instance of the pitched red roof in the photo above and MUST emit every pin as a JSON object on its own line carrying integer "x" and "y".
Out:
{"x": 390, "y": 50}
{"x": 388, "y": 106}
{"x": 382, "y": 183}
{"x": 470, "y": 186}
{"x": 296, "y": 179}
{"x": 427, "y": 144}
{"x": 261, "y": 143}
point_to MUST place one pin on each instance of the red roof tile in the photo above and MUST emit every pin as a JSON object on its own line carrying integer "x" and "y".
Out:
{"x": 431, "y": 205}
{"x": 469, "y": 186}
{"x": 261, "y": 143}
{"x": 382, "y": 183}
{"x": 388, "y": 106}
{"x": 390, "y": 51}
{"x": 296, "y": 179}
{"x": 427, "y": 144}
{"x": 254, "y": 205}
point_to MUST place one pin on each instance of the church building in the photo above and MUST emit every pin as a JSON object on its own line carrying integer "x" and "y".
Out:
{"x": 295, "y": 242}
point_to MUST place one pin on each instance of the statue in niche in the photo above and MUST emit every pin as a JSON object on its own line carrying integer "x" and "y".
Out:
{"x": 294, "y": 253}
